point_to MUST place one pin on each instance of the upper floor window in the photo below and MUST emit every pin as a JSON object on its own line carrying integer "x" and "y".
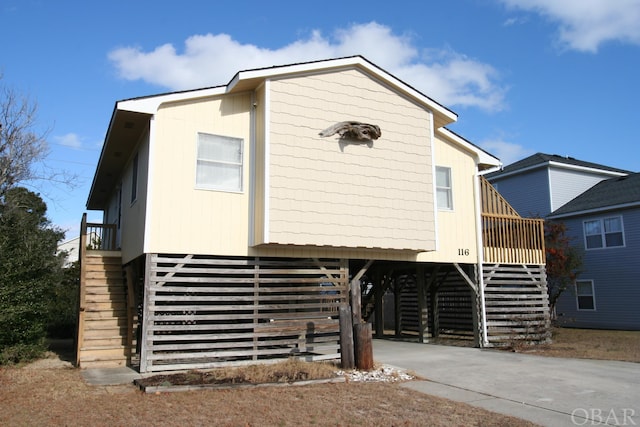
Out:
{"x": 604, "y": 233}
{"x": 219, "y": 164}
{"x": 444, "y": 193}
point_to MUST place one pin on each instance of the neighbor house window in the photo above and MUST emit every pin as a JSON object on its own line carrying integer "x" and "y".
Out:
{"x": 603, "y": 233}
{"x": 219, "y": 164}
{"x": 134, "y": 179}
{"x": 585, "y": 295}
{"x": 444, "y": 194}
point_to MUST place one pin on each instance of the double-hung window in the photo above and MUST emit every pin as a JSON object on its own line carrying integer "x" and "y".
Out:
{"x": 604, "y": 233}
{"x": 444, "y": 192}
{"x": 219, "y": 164}
{"x": 585, "y": 296}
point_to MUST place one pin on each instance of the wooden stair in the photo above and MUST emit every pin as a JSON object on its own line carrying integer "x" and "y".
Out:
{"x": 102, "y": 327}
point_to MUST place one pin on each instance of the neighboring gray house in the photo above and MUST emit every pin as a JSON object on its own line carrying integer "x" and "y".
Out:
{"x": 541, "y": 183}
{"x": 605, "y": 222}
{"x": 600, "y": 200}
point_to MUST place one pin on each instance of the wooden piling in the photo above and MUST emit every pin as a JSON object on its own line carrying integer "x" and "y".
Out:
{"x": 364, "y": 346}
{"x": 346, "y": 338}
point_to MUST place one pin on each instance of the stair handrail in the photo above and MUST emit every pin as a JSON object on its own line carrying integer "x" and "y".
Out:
{"x": 82, "y": 253}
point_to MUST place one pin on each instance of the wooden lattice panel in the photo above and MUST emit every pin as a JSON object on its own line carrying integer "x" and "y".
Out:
{"x": 203, "y": 312}
{"x": 449, "y": 302}
{"x": 517, "y": 304}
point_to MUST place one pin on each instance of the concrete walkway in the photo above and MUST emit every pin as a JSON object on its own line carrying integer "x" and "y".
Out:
{"x": 110, "y": 376}
{"x": 547, "y": 391}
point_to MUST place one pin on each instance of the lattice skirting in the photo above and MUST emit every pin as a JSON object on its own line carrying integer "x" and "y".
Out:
{"x": 517, "y": 304}
{"x": 204, "y": 311}
{"x": 450, "y": 305}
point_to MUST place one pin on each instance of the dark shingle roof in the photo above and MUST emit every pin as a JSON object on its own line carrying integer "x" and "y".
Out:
{"x": 541, "y": 159}
{"x": 613, "y": 192}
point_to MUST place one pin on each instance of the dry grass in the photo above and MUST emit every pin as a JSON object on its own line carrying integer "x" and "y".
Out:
{"x": 41, "y": 395}
{"x": 61, "y": 397}
{"x": 592, "y": 344}
{"x": 283, "y": 372}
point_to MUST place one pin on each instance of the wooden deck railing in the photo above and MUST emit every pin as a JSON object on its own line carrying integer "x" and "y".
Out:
{"x": 513, "y": 240}
{"x": 98, "y": 237}
{"x": 507, "y": 237}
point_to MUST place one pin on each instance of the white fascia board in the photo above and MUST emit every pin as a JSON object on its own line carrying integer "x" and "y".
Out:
{"x": 356, "y": 61}
{"x": 296, "y": 69}
{"x": 586, "y": 169}
{"x": 481, "y": 156}
{"x": 560, "y": 165}
{"x": 150, "y": 105}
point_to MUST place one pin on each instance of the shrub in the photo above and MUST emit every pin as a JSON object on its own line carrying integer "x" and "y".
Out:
{"x": 63, "y": 309}
{"x": 20, "y": 353}
{"x": 29, "y": 269}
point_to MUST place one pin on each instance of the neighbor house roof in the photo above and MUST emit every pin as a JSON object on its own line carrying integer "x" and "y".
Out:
{"x": 613, "y": 193}
{"x": 540, "y": 160}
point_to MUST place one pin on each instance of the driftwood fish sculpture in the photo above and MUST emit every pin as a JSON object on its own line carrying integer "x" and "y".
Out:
{"x": 353, "y": 130}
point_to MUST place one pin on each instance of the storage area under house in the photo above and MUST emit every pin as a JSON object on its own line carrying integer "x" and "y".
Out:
{"x": 166, "y": 312}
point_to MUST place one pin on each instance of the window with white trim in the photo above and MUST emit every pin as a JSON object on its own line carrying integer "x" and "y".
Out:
{"x": 219, "y": 164}
{"x": 585, "y": 297}
{"x": 444, "y": 192}
{"x": 604, "y": 233}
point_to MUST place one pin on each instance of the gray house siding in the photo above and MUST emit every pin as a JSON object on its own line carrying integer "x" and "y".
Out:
{"x": 566, "y": 184}
{"x": 527, "y": 193}
{"x": 552, "y": 186}
{"x": 615, "y": 273}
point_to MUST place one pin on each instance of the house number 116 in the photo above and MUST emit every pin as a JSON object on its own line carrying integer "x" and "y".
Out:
{"x": 463, "y": 252}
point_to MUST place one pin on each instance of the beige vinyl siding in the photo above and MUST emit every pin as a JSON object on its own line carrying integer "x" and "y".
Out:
{"x": 189, "y": 220}
{"x": 133, "y": 214}
{"x": 326, "y": 199}
{"x": 326, "y": 193}
{"x": 457, "y": 227}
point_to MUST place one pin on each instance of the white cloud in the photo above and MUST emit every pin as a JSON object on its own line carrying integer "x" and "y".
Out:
{"x": 70, "y": 140}
{"x": 212, "y": 59}
{"x": 507, "y": 152}
{"x": 514, "y": 21}
{"x": 586, "y": 24}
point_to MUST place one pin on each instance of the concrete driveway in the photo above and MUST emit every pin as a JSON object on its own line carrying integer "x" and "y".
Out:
{"x": 547, "y": 391}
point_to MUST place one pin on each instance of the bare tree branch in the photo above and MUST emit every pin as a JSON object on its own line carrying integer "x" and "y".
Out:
{"x": 22, "y": 148}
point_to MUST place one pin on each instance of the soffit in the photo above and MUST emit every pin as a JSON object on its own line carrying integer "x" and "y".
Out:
{"x": 125, "y": 130}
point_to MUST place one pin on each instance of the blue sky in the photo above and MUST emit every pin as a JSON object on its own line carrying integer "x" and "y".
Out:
{"x": 524, "y": 76}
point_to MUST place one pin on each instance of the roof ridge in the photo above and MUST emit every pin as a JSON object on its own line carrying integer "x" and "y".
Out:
{"x": 541, "y": 159}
